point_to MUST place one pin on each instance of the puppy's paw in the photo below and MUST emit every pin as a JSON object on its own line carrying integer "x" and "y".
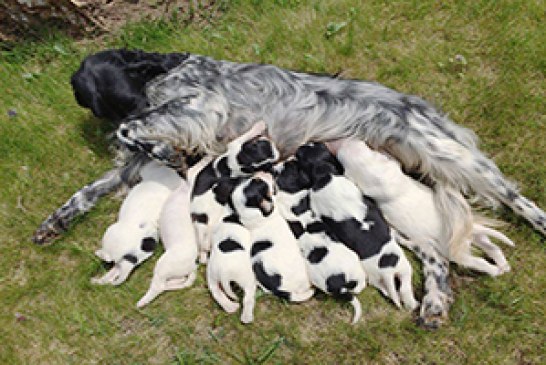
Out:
{"x": 230, "y": 307}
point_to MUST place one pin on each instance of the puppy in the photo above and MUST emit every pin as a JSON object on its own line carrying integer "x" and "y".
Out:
{"x": 133, "y": 238}
{"x": 175, "y": 269}
{"x": 244, "y": 155}
{"x": 230, "y": 263}
{"x": 356, "y": 221}
{"x": 276, "y": 260}
{"x": 111, "y": 83}
{"x": 332, "y": 267}
{"x": 398, "y": 196}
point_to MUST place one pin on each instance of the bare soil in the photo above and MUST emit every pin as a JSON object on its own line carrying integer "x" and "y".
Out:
{"x": 31, "y": 19}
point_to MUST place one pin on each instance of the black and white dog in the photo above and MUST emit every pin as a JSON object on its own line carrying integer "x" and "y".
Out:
{"x": 332, "y": 267}
{"x": 204, "y": 103}
{"x": 245, "y": 154}
{"x": 276, "y": 259}
{"x": 355, "y": 220}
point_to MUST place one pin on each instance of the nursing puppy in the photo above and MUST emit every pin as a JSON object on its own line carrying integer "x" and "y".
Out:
{"x": 111, "y": 83}
{"x": 332, "y": 267}
{"x": 398, "y": 196}
{"x": 230, "y": 263}
{"x": 275, "y": 256}
{"x": 133, "y": 238}
{"x": 175, "y": 269}
{"x": 356, "y": 221}
{"x": 244, "y": 155}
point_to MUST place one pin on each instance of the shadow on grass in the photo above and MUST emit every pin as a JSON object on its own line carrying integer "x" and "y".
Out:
{"x": 99, "y": 134}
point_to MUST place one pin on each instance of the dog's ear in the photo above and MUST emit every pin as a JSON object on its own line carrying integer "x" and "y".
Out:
{"x": 148, "y": 244}
{"x": 146, "y": 69}
{"x": 259, "y": 195}
{"x": 224, "y": 188}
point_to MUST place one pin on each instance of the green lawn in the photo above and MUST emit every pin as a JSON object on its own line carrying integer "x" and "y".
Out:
{"x": 483, "y": 62}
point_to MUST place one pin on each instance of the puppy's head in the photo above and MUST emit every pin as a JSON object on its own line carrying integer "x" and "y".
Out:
{"x": 111, "y": 83}
{"x": 290, "y": 178}
{"x": 316, "y": 160}
{"x": 121, "y": 238}
{"x": 253, "y": 198}
{"x": 258, "y": 154}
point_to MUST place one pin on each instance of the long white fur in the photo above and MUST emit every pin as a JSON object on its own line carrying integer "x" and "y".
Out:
{"x": 176, "y": 268}
{"x": 233, "y": 266}
{"x": 138, "y": 218}
{"x": 284, "y": 257}
{"x": 412, "y": 208}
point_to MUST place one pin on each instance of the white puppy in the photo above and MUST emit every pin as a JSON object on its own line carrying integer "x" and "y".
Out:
{"x": 276, "y": 259}
{"x": 133, "y": 238}
{"x": 411, "y": 207}
{"x": 175, "y": 269}
{"x": 230, "y": 263}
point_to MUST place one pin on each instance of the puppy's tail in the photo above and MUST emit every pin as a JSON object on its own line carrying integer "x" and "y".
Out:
{"x": 226, "y": 285}
{"x": 357, "y": 309}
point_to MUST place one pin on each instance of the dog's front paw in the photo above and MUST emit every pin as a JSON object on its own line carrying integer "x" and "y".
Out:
{"x": 46, "y": 233}
{"x": 434, "y": 310}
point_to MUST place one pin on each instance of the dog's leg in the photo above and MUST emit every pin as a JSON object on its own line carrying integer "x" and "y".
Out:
{"x": 249, "y": 300}
{"x": 493, "y": 251}
{"x": 86, "y": 198}
{"x": 406, "y": 290}
{"x": 438, "y": 295}
{"x": 107, "y": 278}
{"x": 81, "y": 202}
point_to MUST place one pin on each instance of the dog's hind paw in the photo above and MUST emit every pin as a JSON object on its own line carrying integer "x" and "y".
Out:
{"x": 434, "y": 310}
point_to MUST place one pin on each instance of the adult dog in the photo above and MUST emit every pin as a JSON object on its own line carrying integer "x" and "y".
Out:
{"x": 203, "y": 103}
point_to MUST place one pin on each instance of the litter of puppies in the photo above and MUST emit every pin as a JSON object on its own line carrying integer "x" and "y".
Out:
{"x": 312, "y": 220}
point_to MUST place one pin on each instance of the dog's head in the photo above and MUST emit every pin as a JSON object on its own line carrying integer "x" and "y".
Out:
{"x": 111, "y": 83}
{"x": 256, "y": 154}
{"x": 290, "y": 178}
{"x": 317, "y": 161}
{"x": 253, "y": 198}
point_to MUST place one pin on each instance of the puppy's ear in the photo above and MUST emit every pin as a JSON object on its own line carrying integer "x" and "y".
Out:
{"x": 258, "y": 195}
{"x": 148, "y": 244}
{"x": 223, "y": 190}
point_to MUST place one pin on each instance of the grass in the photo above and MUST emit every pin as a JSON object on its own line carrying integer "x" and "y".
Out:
{"x": 483, "y": 62}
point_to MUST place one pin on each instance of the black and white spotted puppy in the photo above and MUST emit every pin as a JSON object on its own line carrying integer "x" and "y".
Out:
{"x": 276, "y": 259}
{"x": 356, "y": 221}
{"x": 230, "y": 263}
{"x": 332, "y": 267}
{"x": 133, "y": 238}
{"x": 244, "y": 155}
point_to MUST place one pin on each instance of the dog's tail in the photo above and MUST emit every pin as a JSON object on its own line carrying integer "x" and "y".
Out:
{"x": 447, "y": 153}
